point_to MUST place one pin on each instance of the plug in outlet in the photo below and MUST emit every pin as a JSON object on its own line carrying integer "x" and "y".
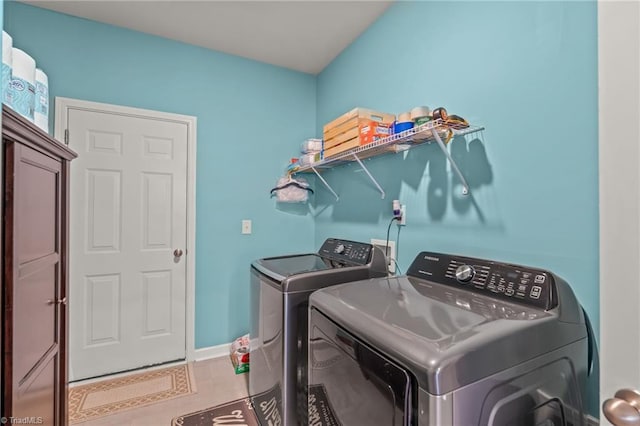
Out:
{"x": 399, "y": 211}
{"x": 391, "y": 252}
{"x": 403, "y": 215}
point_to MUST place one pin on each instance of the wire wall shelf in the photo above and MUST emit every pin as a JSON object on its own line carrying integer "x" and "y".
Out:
{"x": 432, "y": 131}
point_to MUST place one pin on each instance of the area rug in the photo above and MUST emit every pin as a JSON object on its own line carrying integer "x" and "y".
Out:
{"x": 260, "y": 410}
{"x": 112, "y": 396}
{"x": 238, "y": 412}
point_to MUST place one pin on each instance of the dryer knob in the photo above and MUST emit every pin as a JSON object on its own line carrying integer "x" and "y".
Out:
{"x": 340, "y": 249}
{"x": 465, "y": 273}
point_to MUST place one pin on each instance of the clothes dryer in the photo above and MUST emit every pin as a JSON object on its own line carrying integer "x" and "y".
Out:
{"x": 457, "y": 341}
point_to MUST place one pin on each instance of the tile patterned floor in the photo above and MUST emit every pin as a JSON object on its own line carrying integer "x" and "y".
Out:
{"x": 216, "y": 383}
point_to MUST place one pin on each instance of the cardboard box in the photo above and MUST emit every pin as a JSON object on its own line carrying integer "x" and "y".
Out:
{"x": 368, "y": 131}
{"x": 339, "y": 149}
{"x": 347, "y": 126}
{"x": 359, "y": 113}
{"x": 342, "y": 137}
{"x": 372, "y": 131}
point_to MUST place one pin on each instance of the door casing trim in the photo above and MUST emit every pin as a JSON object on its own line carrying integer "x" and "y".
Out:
{"x": 62, "y": 107}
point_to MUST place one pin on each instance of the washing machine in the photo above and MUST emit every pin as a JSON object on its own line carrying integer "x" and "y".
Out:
{"x": 280, "y": 289}
{"x": 456, "y": 341}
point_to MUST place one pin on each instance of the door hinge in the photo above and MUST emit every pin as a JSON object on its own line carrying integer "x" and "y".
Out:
{"x": 66, "y": 136}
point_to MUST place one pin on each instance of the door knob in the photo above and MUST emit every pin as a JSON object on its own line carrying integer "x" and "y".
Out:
{"x": 177, "y": 253}
{"x": 629, "y": 395}
{"x": 623, "y": 408}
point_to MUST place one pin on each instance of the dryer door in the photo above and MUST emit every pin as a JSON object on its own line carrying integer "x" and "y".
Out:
{"x": 351, "y": 384}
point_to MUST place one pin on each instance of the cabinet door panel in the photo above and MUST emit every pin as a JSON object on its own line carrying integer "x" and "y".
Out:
{"x": 35, "y": 320}
{"x": 37, "y": 205}
{"x": 37, "y": 398}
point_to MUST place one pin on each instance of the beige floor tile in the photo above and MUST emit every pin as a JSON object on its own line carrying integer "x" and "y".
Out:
{"x": 216, "y": 383}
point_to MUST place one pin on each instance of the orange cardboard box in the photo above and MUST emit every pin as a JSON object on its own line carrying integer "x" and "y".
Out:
{"x": 371, "y": 131}
{"x": 346, "y": 127}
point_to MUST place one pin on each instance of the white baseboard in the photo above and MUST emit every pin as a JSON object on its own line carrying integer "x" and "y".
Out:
{"x": 212, "y": 352}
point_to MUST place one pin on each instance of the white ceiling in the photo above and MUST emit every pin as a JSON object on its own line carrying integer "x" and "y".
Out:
{"x": 303, "y": 35}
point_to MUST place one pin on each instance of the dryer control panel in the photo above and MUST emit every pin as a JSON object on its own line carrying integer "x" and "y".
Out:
{"x": 346, "y": 251}
{"x": 517, "y": 283}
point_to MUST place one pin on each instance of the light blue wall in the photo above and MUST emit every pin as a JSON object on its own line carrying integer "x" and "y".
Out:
{"x": 524, "y": 70}
{"x": 527, "y": 71}
{"x": 239, "y": 156}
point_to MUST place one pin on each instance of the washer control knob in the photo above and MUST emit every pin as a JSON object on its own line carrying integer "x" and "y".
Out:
{"x": 465, "y": 273}
{"x": 340, "y": 248}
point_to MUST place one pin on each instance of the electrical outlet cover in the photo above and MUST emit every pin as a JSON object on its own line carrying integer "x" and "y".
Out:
{"x": 382, "y": 244}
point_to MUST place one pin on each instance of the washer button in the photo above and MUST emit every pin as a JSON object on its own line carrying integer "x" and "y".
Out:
{"x": 536, "y": 290}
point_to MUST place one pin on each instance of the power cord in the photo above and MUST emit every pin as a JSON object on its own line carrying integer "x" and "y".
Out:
{"x": 386, "y": 254}
{"x": 398, "y": 270}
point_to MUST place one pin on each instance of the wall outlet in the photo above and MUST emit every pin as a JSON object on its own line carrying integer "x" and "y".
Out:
{"x": 391, "y": 259}
{"x": 246, "y": 226}
{"x": 399, "y": 211}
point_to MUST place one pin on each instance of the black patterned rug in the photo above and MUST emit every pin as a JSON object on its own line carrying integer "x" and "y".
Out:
{"x": 236, "y": 412}
{"x": 260, "y": 410}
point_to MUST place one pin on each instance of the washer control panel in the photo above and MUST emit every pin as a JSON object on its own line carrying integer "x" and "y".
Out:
{"x": 346, "y": 251}
{"x": 465, "y": 273}
{"x": 517, "y": 283}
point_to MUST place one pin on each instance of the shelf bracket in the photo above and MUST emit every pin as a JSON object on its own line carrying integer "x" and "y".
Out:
{"x": 369, "y": 174}
{"x": 325, "y": 183}
{"x": 465, "y": 186}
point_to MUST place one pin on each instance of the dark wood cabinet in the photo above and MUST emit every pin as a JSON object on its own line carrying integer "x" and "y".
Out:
{"x": 35, "y": 272}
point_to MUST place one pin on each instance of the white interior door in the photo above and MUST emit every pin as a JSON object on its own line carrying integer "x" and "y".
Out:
{"x": 128, "y": 242}
{"x": 619, "y": 170}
